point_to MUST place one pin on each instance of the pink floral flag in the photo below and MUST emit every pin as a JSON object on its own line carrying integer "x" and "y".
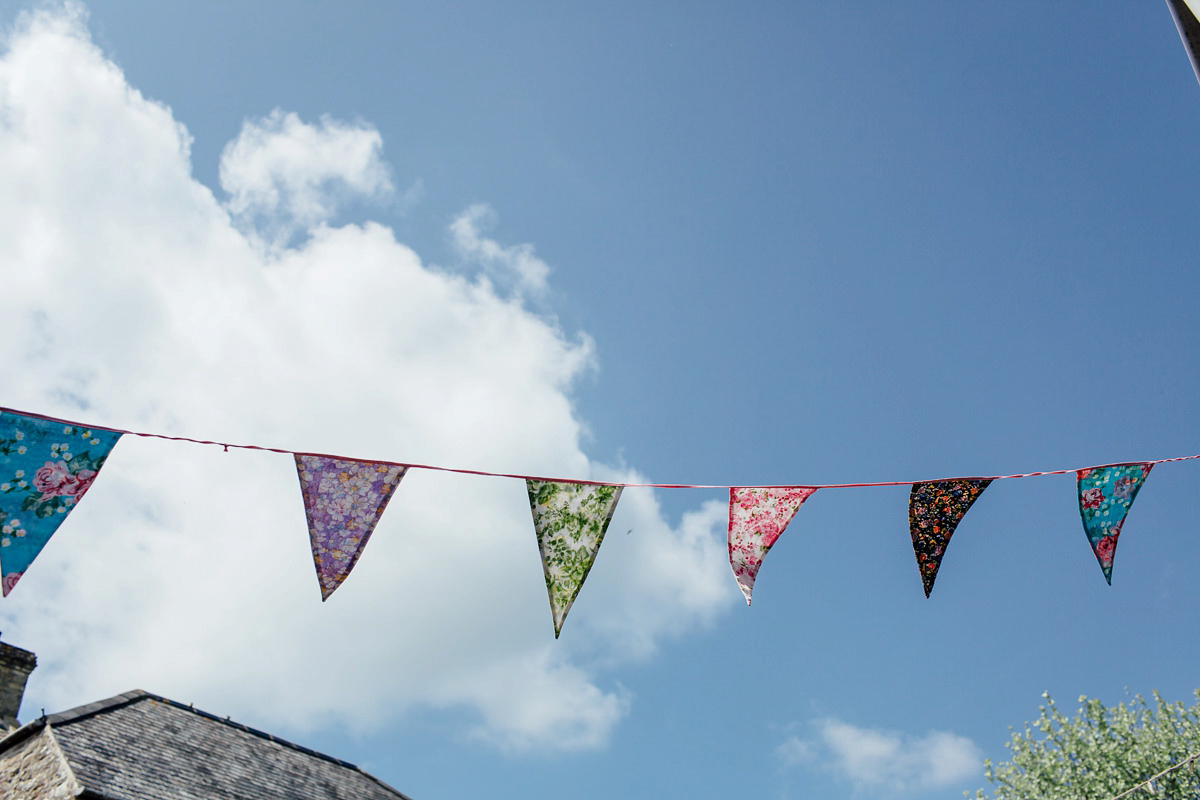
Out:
{"x": 757, "y": 518}
{"x": 1105, "y": 495}
{"x": 343, "y": 499}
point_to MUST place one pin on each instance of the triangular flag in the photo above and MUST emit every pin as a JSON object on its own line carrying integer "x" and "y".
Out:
{"x": 45, "y": 469}
{"x": 934, "y": 511}
{"x": 343, "y": 500}
{"x": 570, "y": 520}
{"x": 1105, "y": 495}
{"x": 757, "y": 517}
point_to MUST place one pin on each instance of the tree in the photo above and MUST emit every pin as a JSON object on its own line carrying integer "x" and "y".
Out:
{"x": 1102, "y": 752}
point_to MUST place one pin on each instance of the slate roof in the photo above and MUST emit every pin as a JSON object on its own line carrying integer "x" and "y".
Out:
{"x": 139, "y": 746}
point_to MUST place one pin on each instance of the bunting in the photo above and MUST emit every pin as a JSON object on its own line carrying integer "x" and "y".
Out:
{"x": 934, "y": 510}
{"x": 758, "y": 516}
{"x": 570, "y": 520}
{"x": 1105, "y": 495}
{"x": 48, "y": 464}
{"x": 343, "y": 500}
{"x": 45, "y": 469}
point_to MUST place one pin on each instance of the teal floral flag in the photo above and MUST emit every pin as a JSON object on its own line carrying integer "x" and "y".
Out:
{"x": 570, "y": 520}
{"x": 1105, "y": 495}
{"x": 934, "y": 510}
{"x": 45, "y": 469}
{"x": 343, "y": 500}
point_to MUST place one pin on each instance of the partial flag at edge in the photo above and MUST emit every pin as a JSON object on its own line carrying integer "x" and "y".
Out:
{"x": 45, "y": 469}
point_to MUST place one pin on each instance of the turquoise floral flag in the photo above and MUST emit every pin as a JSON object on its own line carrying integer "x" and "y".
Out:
{"x": 343, "y": 500}
{"x": 45, "y": 469}
{"x": 570, "y": 520}
{"x": 934, "y": 510}
{"x": 1105, "y": 495}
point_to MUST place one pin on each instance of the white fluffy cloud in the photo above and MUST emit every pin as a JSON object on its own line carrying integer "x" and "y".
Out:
{"x": 890, "y": 761}
{"x": 132, "y": 299}
{"x": 515, "y": 264}
{"x": 285, "y": 175}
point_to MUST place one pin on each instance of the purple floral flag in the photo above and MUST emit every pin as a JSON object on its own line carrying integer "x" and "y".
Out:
{"x": 757, "y": 518}
{"x": 934, "y": 511}
{"x": 343, "y": 499}
{"x": 45, "y": 469}
{"x": 1105, "y": 495}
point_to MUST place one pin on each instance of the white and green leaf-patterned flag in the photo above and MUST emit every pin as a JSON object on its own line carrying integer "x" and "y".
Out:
{"x": 570, "y": 520}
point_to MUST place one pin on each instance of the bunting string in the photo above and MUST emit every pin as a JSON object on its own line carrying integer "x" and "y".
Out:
{"x": 1150, "y": 784}
{"x": 585, "y": 482}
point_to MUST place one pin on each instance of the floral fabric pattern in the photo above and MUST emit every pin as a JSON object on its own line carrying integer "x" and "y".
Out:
{"x": 934, "y": 511}
{"x": 1105, "y": 495}
{"x": 343, "y": 500}
{"x": 570, "y": 520}
{"x": 45, "y": 469}
{"x": 757, "y": 518}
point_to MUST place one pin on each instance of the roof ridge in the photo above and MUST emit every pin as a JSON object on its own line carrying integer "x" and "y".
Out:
{"x": 136, "y": 695}
{"x": 93, "y": 708}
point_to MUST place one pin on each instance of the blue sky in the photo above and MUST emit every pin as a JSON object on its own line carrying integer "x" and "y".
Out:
{"x": 704, "y": 243}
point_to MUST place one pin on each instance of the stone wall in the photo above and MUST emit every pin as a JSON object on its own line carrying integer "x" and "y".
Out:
{"x": 35, "y": 769}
